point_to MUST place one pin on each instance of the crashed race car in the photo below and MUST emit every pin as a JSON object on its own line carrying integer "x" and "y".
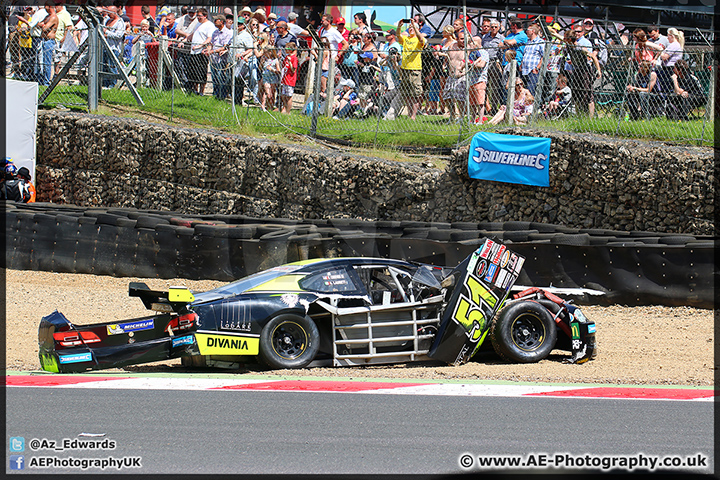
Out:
{"x": 341, "y": 312}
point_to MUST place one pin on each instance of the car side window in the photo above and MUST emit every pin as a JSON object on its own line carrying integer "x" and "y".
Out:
{"x": 381, "y": 284}
{"x": 336, "y": 280}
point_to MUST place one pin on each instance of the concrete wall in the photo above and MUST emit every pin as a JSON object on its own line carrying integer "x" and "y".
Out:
{"x": 595, "y": 181}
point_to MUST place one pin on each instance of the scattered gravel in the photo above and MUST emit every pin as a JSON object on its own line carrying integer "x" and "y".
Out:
{"x": 639, "y": 345}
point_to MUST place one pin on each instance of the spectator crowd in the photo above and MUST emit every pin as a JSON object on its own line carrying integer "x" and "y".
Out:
{"x": 494, "y": 76}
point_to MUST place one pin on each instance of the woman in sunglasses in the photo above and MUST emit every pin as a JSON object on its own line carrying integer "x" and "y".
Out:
{"x": 523, "y": 100}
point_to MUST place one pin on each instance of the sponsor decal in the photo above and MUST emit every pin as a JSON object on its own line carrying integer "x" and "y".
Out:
{"x": 492, "y": 269}
{"x": 575, "y": 330}
{"x": 510, "y": 159}
{"x": 509, "y": 280}
{"x": 512, "y": 262}
{"x": 507, "y": 158}
{"x": 461, "y": 356}
{"x": 498, "y": 255}
{"x": 76, "y": 358}
{"x": 481, "y": 266}
{"x": 501, "y": 277}
{"x": 209, "y": 344}
{"x": 290, "y": 299}
{"x": 184, "y": 340}
{"x": 235, "y": 316}
{"x": 591, "y": 328}
{"x": 486, "y": 248}
{"x": 505, "y": 259}
{"x": 119, "y": 328}
{"x": 236, "y": 326}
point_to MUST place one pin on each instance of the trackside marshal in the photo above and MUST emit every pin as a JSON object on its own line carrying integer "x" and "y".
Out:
{"x": 510, "y": 159}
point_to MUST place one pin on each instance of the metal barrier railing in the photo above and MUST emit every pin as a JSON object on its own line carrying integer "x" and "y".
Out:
{"x": 385, "y": 104}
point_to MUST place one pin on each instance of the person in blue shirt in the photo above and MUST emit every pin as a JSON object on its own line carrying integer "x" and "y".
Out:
{"x": 167, "y": 25}
{"x": 515, "y": 40}
{"x": 424, "y": 28}
{"x": 533, "y": 57}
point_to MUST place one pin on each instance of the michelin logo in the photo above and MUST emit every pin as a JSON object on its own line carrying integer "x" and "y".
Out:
{"x": 508, "y": 158}
{"x": 117, "y": 329}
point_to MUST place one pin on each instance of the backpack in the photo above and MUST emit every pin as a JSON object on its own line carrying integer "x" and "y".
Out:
{"x": 14, "y": 189}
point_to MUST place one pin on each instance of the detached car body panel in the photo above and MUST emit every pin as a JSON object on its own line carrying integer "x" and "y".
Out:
{"x": 343, "y": 312}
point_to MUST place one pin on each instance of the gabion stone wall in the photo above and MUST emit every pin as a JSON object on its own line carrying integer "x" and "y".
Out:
{"x": 595, "y": 181}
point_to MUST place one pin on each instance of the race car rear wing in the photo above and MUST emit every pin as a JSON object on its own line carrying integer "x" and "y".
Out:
{"x": 174, "y": 300}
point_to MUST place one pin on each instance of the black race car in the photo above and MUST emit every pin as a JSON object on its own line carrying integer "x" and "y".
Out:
{"x": 341, "y": 311}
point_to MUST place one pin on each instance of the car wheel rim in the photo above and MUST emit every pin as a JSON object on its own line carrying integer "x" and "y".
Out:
{"x": 289, "y": 340}
{"x": 528, "y": 332}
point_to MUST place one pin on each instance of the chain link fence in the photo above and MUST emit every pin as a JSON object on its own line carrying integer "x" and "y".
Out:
{"x": 362, "y": 95}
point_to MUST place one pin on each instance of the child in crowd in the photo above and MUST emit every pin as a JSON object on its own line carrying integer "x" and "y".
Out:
{"x": 145, "y": 36}
{"x": 270, "y": 77}
{"x": 521, "y": 113}
{"x": 346, "y": 101}
{"x": 563, "y": 97}
{"x": 289, "y": 77}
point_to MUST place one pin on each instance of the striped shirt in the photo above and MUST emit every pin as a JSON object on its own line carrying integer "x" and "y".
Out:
{"x": 532, "y": 57}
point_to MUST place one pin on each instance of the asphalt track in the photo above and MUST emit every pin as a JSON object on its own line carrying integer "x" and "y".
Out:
{"x": 242, "y": 431}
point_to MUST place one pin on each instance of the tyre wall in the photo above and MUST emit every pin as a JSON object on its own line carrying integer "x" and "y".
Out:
{"x": 633, "y": 268}
{"x": 595, "y": 182}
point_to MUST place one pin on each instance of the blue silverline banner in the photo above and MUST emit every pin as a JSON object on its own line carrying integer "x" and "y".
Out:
{"x": 510, "y": 159}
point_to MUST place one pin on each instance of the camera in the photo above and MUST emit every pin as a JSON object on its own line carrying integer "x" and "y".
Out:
{"x": 393, "y": 51}
{"x": 407, "y": 20}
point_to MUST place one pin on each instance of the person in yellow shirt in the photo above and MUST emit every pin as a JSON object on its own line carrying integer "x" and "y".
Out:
{"x": 65, "y": 25}
{"x": 412, "y": 42}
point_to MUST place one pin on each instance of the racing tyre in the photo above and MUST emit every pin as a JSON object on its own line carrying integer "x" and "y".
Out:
{"x": 289, "y": 341}
{"x": 523, "y": 332}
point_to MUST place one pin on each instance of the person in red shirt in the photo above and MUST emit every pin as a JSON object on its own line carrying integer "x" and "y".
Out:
{"x": 287, "y": 84}
{"x": 340, "y": 22}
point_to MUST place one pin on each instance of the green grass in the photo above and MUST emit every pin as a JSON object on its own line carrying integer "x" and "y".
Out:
{"x": 423, "y": 132}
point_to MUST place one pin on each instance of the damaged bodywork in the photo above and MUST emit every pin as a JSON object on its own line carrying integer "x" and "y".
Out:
{"x": 341, "y": 312}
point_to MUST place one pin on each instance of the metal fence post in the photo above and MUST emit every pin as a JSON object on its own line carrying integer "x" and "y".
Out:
{"x": 710, "y": 105}
{"x": 160, "y": 77}
{"x": 93, "y": 67}
{"x": 139, "y": 64}
{"x": 621, "y": 113}
{"x": 511, "y": 92}
{"x": 330, "y": 87}
{"x": 316, "y": 93}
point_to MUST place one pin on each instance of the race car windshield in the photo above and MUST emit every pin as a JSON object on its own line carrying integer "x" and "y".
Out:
{"x": 424, "y": 276}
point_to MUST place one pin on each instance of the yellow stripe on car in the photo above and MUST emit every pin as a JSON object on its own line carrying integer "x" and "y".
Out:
{"x": 286, "y": 283}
